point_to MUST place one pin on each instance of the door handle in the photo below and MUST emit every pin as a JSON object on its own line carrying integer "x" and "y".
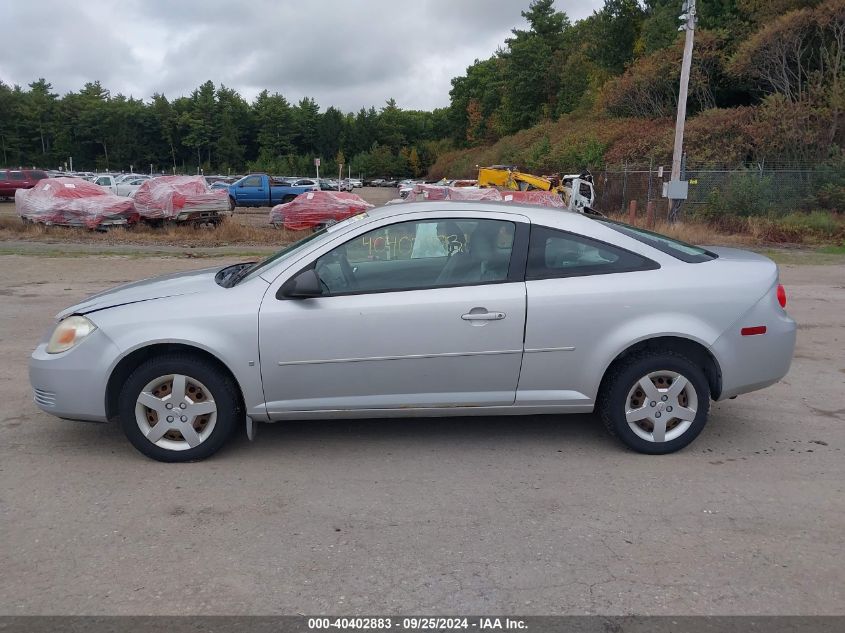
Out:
{"x": 483, "y": 316}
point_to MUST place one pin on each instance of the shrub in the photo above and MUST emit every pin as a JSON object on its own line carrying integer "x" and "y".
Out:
{"x": 746, "y": 194}
{"x": 818, "y": 223}
{"x": 829, "y": 183}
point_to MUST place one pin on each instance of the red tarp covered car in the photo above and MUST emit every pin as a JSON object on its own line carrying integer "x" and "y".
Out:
{"x": 317, "y": 208}
{"x": 442, "y": 192}
{"x": 182, "y": 198}
{"x": 74, "y": 202}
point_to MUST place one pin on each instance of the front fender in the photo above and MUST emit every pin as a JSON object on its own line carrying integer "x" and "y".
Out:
{"x": 228, "y": 331}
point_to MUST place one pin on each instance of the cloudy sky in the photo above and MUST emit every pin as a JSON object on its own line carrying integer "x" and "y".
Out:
{"x": 348, "y": 53}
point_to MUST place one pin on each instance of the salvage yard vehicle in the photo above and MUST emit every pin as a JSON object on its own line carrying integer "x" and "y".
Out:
{"x": 13, "y": 179}
{"x": 181, "y": 199}
{"x": 260, "y": 190}
{"x": 124, "y": 177}
{"x": 120, "y": 186}
{"x": 74, "y": 202}
{"x": 577, "y": 191}
{"x": 427, "y": 309}
{"x": 317, "y": 209}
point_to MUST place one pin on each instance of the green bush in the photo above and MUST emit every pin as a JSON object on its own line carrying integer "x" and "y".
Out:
{"x": 829, "y": 183}
{"x": 745, "y": 194}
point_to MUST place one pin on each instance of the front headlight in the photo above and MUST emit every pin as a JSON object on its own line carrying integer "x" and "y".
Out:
{"x": 69, "y": 333}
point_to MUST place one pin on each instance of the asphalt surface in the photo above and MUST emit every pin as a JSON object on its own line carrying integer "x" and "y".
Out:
{"x": 541, "y": 515}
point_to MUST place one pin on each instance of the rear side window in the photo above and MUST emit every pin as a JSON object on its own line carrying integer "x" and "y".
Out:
{"x": 676, "y": 248}
{"x": 553, "y": 253}
{"x": 37, "y": 175}
{"x": 16, "y": 175}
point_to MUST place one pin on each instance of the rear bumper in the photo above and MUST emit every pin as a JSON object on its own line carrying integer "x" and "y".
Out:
{"x": 749, "y": 363}
{"x": 72, "y": 384}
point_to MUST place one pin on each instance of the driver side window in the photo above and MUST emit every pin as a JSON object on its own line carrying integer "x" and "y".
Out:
{"x": 420, "y": 254}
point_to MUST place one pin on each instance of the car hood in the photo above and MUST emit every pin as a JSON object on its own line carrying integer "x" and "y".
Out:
{"x": 173, "y": 285}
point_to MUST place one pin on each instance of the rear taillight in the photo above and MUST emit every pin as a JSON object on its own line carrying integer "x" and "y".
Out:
{"x": 781, "y": 296}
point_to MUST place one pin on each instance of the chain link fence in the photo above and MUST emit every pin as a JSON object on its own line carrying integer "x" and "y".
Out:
{"x": 780, "y": 188}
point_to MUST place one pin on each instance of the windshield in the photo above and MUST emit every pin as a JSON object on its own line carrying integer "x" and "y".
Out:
{"x": 676, "y": 248}
{"x": 257, "y": 268}
{"x": 252, "y": 271}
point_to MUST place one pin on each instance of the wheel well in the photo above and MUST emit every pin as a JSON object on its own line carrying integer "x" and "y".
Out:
{"x": 696, "y": 352}
{"x": 132, "y": 361}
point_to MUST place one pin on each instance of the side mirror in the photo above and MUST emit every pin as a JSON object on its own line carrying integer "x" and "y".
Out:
{"x": 304, "y": 285}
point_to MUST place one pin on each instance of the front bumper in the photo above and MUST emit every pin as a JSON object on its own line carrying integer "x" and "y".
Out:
{"x": 72, "y": 384}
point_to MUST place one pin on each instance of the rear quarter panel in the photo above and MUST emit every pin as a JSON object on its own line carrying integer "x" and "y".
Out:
{"x": 601, "y": 316}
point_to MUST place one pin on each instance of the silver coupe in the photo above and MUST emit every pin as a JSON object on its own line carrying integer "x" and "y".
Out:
{"x": 427, "y": 309}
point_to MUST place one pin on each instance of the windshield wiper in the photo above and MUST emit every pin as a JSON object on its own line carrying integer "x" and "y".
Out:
{"x": 231, "y": 275}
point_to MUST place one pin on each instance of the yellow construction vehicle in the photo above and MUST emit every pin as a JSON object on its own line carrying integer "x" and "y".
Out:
{"x": 576, "y": 190}
{"x": 508, "y": 177}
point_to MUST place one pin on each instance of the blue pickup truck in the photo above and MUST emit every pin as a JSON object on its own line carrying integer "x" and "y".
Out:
{"x": 261, "y": 190}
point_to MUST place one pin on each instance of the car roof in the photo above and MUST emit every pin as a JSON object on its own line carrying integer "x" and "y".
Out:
{"x": 536, "y": 213}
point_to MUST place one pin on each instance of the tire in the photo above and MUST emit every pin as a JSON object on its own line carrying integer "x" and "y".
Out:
{"x": 287, "y": 198}
{"x": 205, "y": 387}
{"x": 231, "y": 203}
{"x": 626, "y": 393}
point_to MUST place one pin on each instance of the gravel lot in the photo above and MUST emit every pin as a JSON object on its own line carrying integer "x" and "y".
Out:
{"x": 542, "y": 515}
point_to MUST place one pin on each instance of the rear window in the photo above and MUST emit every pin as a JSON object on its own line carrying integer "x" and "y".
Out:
{"x": 676, "y": 248}
{"x": 555, "y": 254}
{"x": 37, "y": 175}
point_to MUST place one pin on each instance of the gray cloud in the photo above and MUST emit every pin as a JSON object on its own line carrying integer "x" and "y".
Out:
{"x": 344, "y": 53}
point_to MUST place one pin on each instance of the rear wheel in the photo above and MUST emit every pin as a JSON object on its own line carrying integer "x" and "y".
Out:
{"x": 655, "y": 403}
{"x": 178, "y": 408}
{"x": 288, "y": 198}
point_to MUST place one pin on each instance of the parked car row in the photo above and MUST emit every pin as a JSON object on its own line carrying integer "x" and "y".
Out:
{"x": 95, "y": 205}
{"x": 121, "y": 186}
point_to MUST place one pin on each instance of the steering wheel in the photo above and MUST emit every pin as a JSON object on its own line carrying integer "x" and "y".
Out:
{"x": 348, "y": 273}
{"x": 339, "y": 257}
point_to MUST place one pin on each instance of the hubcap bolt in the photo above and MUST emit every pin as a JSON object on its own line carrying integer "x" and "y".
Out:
{"x": 653, "y": 404}
{"x": 170, "y": 418}
{"x": 657, "y": 415}
{"x": 182, "y": 406}
{"x": 669, "y": 409}
{"x": 664, "y": 398}
{"x": 184, "y": 418}
{"x": 169, "y": 405}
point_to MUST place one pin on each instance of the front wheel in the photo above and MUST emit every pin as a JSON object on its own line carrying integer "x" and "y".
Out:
{"x": 178, "y": 408}
{"x": 655, "y": 403}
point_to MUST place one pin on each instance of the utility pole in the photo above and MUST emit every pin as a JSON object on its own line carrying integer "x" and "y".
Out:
{"x": 676, "y": 189}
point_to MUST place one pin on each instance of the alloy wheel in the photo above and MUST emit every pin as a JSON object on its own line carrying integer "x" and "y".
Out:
{"x": 661, "y": 406}
{"x": 176, "y": 412}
